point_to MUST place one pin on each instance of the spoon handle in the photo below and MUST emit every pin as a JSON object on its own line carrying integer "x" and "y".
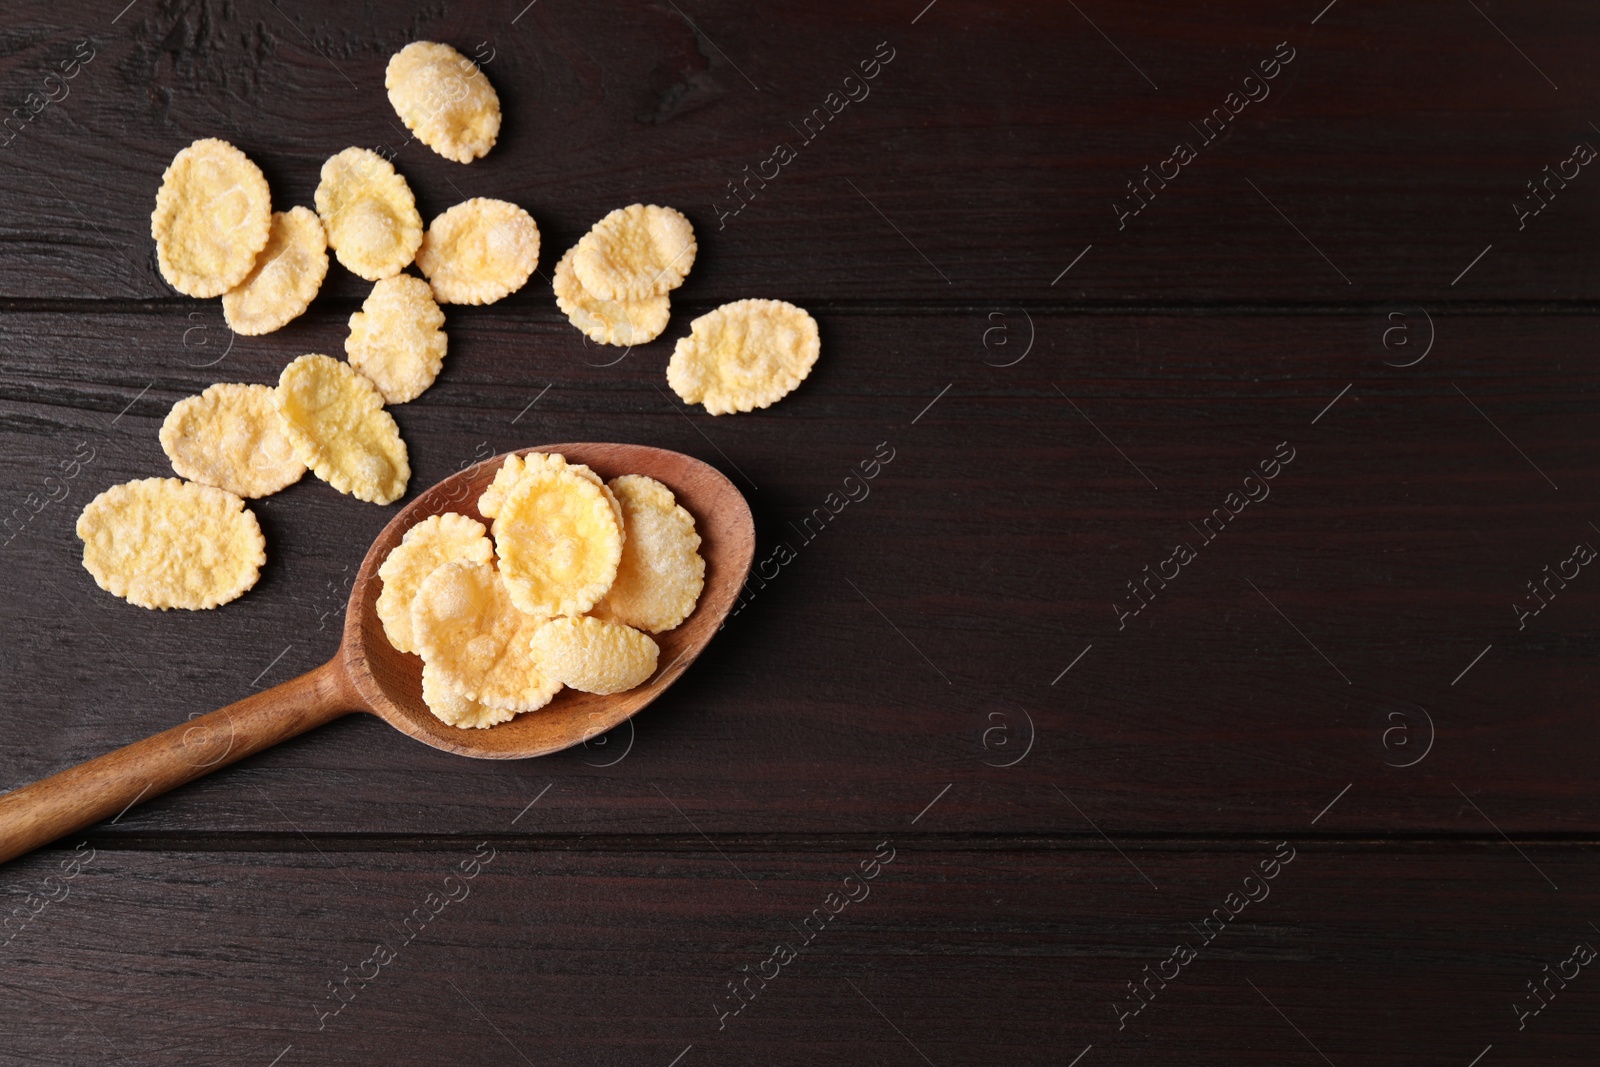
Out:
{"x": 108, "y": 785}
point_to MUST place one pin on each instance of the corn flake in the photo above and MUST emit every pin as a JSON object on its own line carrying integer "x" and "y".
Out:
{"x": 427, "y": 546}
{"x": 593, "y": 655}
{"x": 230, "y": 437}
{"x": 582, "y": 470}
{"x": 635, "y": 252}
{"x": 609, "y": 322}
{"x": 661, "y": 573}
{"x": 510, "y": 473}
{"x": 558, "y": 542}
{"x": 286, "y": 276}
{"x": 512, "y": 470}
{"x": 163, "y": 543}
{"x": 479, "y": 251}
{"x": 396, "y": 338}
{"x": 213, "y": 215}
{"x": 444, "y": 99}
{"x": 453, "y": 709}
{"x": 744, "y": 355}
{"x": 369, "y": 213}
{"x": 468, "y": 630}
{"x": 335, "y": 419}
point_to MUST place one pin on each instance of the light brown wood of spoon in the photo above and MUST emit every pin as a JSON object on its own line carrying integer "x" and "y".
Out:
{"x": 367, "y": 674}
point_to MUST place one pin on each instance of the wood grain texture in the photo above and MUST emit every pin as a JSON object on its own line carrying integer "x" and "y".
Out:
{"x": 1036, "y": 383}
{"x": 601, "y": 956}
{"x": 979, "y": 162}
{"x": 995, "y": 543}
{"x": 106, "y": 787}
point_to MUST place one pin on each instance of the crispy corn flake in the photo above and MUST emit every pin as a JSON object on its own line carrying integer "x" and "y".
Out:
{"x": 635, "y": 252}
{"x": 164, "y": 543}
{"x": 453, "y": 709}
{"x": 479, "y": 251}
{"x": 213, "y": 215}
{"x": 609, "y": 322}
{"x": 444, "y": 99}
{"x": 285, "y": 278}
{"x": 661, "y": 573}
{"x": 593, "y": 655}
{"x": 230, "y": 437}
{"x": 334, "y": 418}
{"x": 510, "y": 473}
{"x": 396, "y": 338}
{"x": 558, "y": 542}
{"x": 427, "y": 546}
{"x": 469, "y": 631}
{"x": 744, "y": 355}
{"x": 369, "y": 213}
{"x": 515, "y": 466}
{"x": 583, "y": 471}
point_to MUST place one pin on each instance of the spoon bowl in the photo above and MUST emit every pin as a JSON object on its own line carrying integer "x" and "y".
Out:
{"x": 390, "y": 682}
{"x": 368, "y": 674}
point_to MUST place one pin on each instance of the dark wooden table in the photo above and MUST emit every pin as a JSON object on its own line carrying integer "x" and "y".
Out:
{"x": 1318, "y": 787}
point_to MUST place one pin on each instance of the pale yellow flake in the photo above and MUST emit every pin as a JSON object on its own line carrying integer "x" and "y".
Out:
{"x": 515, "y": 466}
{"x": 230, "y": 437}
{"x": 396, "y": 339}
{"x": 286, "y": 276}
{"x": 745, "y": 355}
{"x": 661, "y": 573}
{"x": 479, "y": 251}
{"x": 444, "y": 99}
{"x": 453, "y": 709}
{"x": 369, "y": 214}
{"x": 469, "y": 631}
{"x": 608, "y": 322}
{"x": 213, "y": 215}
{"x": 635, "y": 252}
{"x": 165, "y": 543}
{"x": 427, "y": 546}
{"x": 558, "y": 542}
{"x": 334, "y": 417}
{"x": 593, "y": 655}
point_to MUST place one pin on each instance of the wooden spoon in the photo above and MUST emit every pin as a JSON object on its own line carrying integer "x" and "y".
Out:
{"x": 367, "y": 674}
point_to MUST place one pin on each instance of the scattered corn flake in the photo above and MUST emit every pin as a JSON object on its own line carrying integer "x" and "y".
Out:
{"x": 213, "y": 215}
{"x": 744, "y": 355}
{"x": 558, "y": 542}
{"x": 593, "y": 655}
{"x": 369, "y": 213}
{"x": 661, "y": 573}
{"x": 396, "y": 338}
{"x": 334, "y": 418}
{"x": 427, "y": 546}
{"x": 230, "y": 437}
{"x": 165, "y": 543}
{"x": 469, "y": 631}
{"x": 479, "y": 251}
{"x": 609, "y": 322}
{"x": 286, "y": 276}
{"x": 444, "y": 99}
{"x": 635, "y": 252}
{"x": 453, "y": 709}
